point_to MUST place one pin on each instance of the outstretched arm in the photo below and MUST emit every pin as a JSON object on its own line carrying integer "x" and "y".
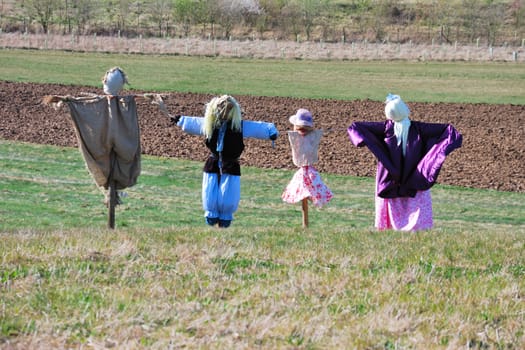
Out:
{"x": 191, "y": 125}
{"x": 372, "y": 135}
{"x": 259, "y": 130}
{"x": 441, "y": 140}
{"x": 57, "y": 102}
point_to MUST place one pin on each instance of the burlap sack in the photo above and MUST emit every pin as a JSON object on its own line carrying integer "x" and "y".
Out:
{"x": 109, "y": 138}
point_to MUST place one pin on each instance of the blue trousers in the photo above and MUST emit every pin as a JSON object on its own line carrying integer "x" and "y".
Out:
{"x": 220, "y": 195}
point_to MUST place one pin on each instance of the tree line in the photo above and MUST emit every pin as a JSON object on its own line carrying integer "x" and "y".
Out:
{"x": 493, "y": 22}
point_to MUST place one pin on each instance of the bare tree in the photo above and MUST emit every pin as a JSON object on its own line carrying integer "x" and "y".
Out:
{"x": 291, "y": 19}
{"x": 268, "y": 18}
{"x": 160, "y": 12}
{"x": 492, "y": 17}
{"x": 138, "y": 10}
{"x": 80, "y": 13}
{"x": 304, "y": 14}
{"x": 189, "y": 13}
{"x": 41, "y": 11}
{"x": 470, "y": 14}
{"x": 232, "y": 12}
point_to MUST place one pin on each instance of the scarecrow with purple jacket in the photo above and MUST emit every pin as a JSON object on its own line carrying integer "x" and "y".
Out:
{"x": 409, "y": 156}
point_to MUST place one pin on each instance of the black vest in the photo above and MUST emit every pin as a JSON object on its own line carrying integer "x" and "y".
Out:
{"x": 233, "y": 146}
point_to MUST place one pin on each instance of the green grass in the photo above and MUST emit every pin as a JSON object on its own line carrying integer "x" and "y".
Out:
{"x": 163, "y": 277}
{"x": 37, "y": 192}
{"x": 346, "y": 80}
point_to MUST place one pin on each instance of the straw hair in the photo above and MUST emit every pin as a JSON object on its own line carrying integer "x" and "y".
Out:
{"x": 219, "y": 109}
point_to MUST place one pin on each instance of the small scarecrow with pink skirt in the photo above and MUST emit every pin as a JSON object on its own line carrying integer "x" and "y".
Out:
{"x": 306, "y": 184}
{"x": 410, "y": 155}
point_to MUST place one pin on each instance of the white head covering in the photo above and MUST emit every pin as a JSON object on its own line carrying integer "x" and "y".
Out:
{"x": 114, "y": 81}
{"x": 397, "y": 111}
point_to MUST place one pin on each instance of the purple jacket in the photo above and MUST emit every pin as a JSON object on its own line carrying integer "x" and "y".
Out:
{"x": 402, "y": 176}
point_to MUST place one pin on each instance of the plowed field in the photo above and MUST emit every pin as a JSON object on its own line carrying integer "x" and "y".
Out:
{"x": 492, "y": 156}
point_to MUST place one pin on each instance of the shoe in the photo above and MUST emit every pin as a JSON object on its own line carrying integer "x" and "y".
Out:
{"x": 224, "y": 223}
{"x": 212, "y": 221}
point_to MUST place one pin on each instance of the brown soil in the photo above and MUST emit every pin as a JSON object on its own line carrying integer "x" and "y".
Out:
{"x": 492, "y": 156}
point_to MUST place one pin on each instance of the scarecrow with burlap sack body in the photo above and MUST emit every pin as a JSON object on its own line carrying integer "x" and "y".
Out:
{"x": 108, "y": 132}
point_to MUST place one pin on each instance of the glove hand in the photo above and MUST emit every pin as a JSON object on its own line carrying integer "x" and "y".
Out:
{"x": 174, "y": 119}
{"x": 273, "y": 137}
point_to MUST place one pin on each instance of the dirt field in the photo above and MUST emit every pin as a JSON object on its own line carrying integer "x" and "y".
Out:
{"x": 492, "y": 156}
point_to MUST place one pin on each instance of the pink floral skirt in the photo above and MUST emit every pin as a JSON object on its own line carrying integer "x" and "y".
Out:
{"x": 307, "y": 183}
{"x": 404, "y": 214}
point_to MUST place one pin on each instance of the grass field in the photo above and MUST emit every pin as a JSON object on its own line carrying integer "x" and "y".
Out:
{"x": 344, "y": 80}
{"x": 163, "y": 279}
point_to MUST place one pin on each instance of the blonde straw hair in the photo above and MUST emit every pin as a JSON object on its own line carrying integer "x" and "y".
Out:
{"x": 219, "y": 109}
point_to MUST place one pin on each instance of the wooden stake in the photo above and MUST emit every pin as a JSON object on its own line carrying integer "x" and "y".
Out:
{"x": 112, "y": 189}
{"x": 305, "y": 212}
{"x": 112, "y": 203}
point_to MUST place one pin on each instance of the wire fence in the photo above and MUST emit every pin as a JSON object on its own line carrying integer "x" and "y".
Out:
{"x": 261, "y": 49}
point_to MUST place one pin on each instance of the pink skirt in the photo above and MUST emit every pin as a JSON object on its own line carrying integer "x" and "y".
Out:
{"x": 404, "y": 214}
{"x": 306, "y": 183}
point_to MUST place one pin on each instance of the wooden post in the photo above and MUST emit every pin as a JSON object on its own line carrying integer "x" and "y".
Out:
{"x": 305, "y": 212}
{"x": 112, "y": 188}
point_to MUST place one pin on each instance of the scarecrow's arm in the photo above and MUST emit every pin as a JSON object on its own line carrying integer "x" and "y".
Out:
{"x": 57, "y": 101}
{"x": 191, "y": 125}
{"x": 259, "y": 130}
{"x": 54, "y": 99}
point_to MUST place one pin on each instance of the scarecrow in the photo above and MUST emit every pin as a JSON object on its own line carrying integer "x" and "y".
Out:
{"x": 410, "y": 155}
{"x": 224, "y": 132}
{"x": 306, "y": 184}
{"x": 108, "y": 135}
